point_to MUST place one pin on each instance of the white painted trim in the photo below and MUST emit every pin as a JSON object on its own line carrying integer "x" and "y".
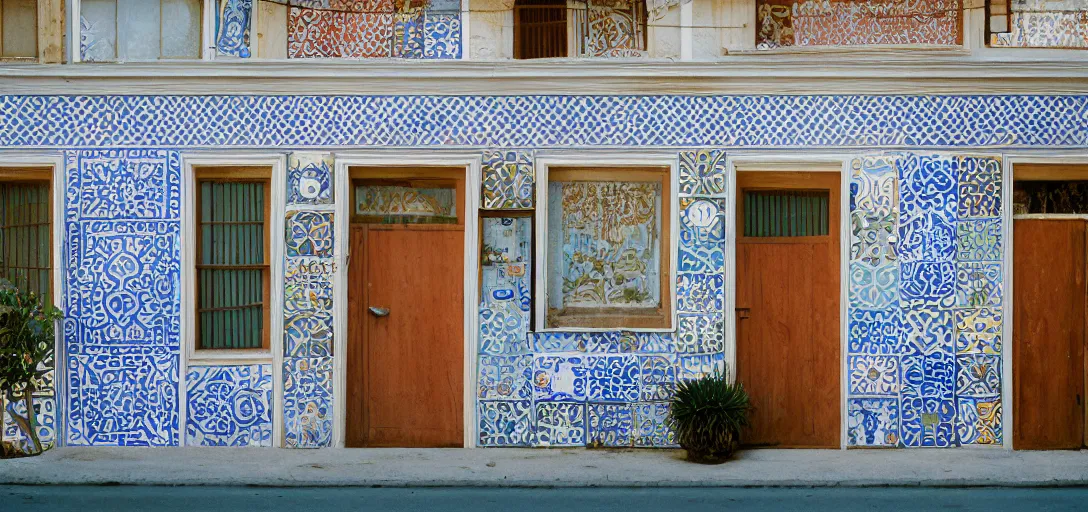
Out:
{"x": 207, "y": 32}
{"x": 1009, "y": 162}
{"x": 687, "y": 10}
{"x": 466, "y": 26}
{"x": 797, "y": 161}
{"x": 55, "y": 161}
{"x": 273, "y": 356}
{"x": 471, "y": 162}
{"x": 74, "y": 27}
{"x": 632, "y": 158}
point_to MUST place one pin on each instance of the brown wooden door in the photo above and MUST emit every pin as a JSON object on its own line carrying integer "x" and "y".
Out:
{"x": 405, "y": 370}
{"x": 1048, "y": 334}
{"x": 788, "y": 348}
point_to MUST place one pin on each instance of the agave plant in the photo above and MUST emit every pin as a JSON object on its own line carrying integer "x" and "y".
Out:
{"x": 707, "y": 416}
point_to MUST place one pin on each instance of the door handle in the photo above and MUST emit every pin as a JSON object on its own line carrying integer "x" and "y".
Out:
{"x": 743, "y": 312}
{"x": 379, "y": 312}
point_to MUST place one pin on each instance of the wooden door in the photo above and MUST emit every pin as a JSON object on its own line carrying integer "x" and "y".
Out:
{"x": 788, "y": 348}
{"x": 405, "y": 368}
{"x": 1048, "y": 334}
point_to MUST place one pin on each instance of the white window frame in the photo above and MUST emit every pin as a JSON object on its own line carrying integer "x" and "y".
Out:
{"x": 605, "y": 160}
{"x": 207, "y": 25}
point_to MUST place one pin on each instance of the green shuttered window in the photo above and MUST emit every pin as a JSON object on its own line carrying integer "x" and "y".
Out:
{"x": 232, "y": 269}
{"x": 25, "y": 236}
{"x": 785, "y": 213}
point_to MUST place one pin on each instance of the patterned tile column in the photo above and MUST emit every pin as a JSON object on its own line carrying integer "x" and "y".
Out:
{"x": 308, "y": 311}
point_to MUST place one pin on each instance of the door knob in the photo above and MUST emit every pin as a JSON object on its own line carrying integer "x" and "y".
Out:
{"x": 379, "y": 312}
{"x": 743, "y": 312}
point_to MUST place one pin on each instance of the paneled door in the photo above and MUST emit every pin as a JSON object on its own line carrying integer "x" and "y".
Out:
{"x": 405, "y": 365}
{"x": 787, "y": 306}
{"x": 1048, "y": 333}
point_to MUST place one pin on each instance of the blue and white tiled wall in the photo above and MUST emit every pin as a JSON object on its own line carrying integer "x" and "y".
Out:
{"x": 924, "y": 318}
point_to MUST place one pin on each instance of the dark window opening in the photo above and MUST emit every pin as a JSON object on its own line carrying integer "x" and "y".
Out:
{"x": 786, "y": 213}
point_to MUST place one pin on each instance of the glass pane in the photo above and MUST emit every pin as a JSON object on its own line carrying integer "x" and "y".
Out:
{"x": 25, "y": 236}
{"x": 604, "y": 246}
{"x": 397, "y": 204}
{"x": 778, "y": 213}
{"x": 181, "y": 28}
{"x": 138, "y": 21}
{"x": 20, "y": 28}
{"x": 98, "y": 30}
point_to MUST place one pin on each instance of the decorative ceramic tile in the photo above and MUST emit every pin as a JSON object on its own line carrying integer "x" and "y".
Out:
{"x": 610, "y": 425}
{"x": 703, "y": 172}
{"x": 927, "y": 237}
{"x": 873, "y": 287}
{"x": 927, "y": 186}
{"x": 308, "y": 285}
{"x": 702, "y": 222}
{"x": 927, "y": 329}
{"x": 612, "y": 342}
{"x": 307, "y": 402}
{"x": 978, "y": 331}
{"x": 870, "y": 121}
{"x": 442, "y": 36}
{"x": 927, "y": 283}
{"x": 978, "y": 375}
{"x": 232, "y": 27}
{"x": 123, "y": 396}
{"x": 122, "y": 184}
{"x": 408, "y": 35}
{"x": 700, "y": 333}
{"x": 559, "y": 341}
{"x": 978, "y": 284}
{"x": 873, "y": 422}
{"x": 656, "y": 342}
{"x": 979, "y": 187}
{"x": 708, "y": 259}
{"x": 700, "y": 293}
{"x": 505, "y": 377}
{"x": 557, "y": 378}
{"x": 927, "y": 421}
{"x": 560, "y": 424}
{"x": 614, "y": 28}
{"x": 503, "y": 329}
{"x": 331, "y": 33}
{"x": 651, "y": 422}
{"x": 874, "y": 332}
{"x": 874, "y": 375}
{"x": 873, "y": 239}
{"x": 1035, "y": 26}
{"x": 699, "y": 366}
{"x": 978, "y": 240}
{"x": 309, "y": 178}
{"x": 505, "y": 423}
{"x": 509, "y": 180}
{"x": 612, "y": 378}
{"x": 658, "y": 374}
{"x": 45, "y": 416}
{"x": 229, "y": 405}
{"x": 867, "y": 22}
{"x": 979, "y": 420}
{"x": 874, "y": 186}
{"x": 309, "y": 234}
{"x": 929, "y": 375}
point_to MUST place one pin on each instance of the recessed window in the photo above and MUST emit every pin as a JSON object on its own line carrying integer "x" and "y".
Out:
{"x": 26, "y": 235}
{"x": 232, "y": 251}
{"x": 785, "y": 213}
{"x": 608, "y": 262}
{"x": 18, "y": 29}
{"x": 540, "y": 29}
{"x": 112, "y": 30}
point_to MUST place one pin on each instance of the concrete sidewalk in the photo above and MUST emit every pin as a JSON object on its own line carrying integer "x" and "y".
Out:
{"x": 545, "y": 468}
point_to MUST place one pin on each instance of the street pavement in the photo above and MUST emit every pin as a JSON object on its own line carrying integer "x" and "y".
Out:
{"x": 270, "y": 499}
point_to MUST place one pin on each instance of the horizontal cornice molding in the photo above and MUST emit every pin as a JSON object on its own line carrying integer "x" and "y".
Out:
{"x": 946, "y": 72}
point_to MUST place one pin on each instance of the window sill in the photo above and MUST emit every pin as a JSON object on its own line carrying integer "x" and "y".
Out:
{"x": 229, "y": 357}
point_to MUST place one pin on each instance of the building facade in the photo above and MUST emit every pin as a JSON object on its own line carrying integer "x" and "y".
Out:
{"x": 323, "y": 223}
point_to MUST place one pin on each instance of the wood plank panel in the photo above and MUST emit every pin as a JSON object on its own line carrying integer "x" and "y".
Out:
{"x": 1048, "y": 334}
{"x": 788, "y": 340}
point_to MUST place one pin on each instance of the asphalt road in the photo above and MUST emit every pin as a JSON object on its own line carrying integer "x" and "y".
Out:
{"x": 239, "y": 499}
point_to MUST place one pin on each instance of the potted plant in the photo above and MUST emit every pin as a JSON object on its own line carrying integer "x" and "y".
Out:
{"x": 707, "y": 416}
{"x": 27, "y": 334}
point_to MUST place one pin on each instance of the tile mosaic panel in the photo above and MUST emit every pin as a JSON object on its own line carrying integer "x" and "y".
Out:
{"x": 560, "y": 424}
{"x": 978, "y": 284}
{"x": 442, "y": 36}
{"x": 874, "y": 375}
{"x": 703, "y": 173}
{"x": 610, "y": 425}
{"x": 926, "y": 329}
{"x": 699, "y": 366}
{"x": 658, "y": 374}
{"x": 656, "y": 342}
{"x": 651, "y": 423}
{"x": 979, "y": 187}
{"x": 505, "y": 260}
{"x": 505, "y": 377}
{"x": 503, "y": 328}
{"x": 874, "y": 332}
{"x": 612, "y": 378}
{"x": 700, "y": 333}
{"x": 45, "y": 416}
{"x": 309, "y": 178}
{"x": 232, "y": 27}
{"x": 505, "y": 423}
{"x": 979, "y": 421}
{"x": 978, "y": 240}
{"x": 874, "y": 287}
{"x": 307, "y": 402}
{"x": 408, "y": 35}
{"x": 559, "y": 378}
{"x": 509, "y": 180}
{"x": 978, "y": 331}
{"x": 1046, "y": 24}
{"x": 309, "y": 234}
{"x": 229, "y": 405}
{"x": 867, "y": 22}
{"x": 307, "y": 307}
{"x": 334, "y": 33}
{"x": 700, "y": 293}
{"x": 559, "y": 341}
{"x": 613, "y": 342}
{"x": 873, "y": 422}
{"x": 544, "y": 121}
{"x": 614, "y": 28}
{"x": 978, "y": 375}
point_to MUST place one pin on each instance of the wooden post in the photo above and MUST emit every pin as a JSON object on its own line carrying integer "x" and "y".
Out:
{"x": 50, "y": 31}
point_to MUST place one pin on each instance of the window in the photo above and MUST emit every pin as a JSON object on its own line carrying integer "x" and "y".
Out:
{"x": 232, "y": 251}
{"x": 113, "y": 30}
{"x": 805, "y": 23}
{"x": 608, "y": 258}
{"x": 593, "y": 28}
{"x": 785, "y": 213}
{"x": 26, "y": 235}
{"x": 540, "y": 29}
{"x": 19, "y": 29}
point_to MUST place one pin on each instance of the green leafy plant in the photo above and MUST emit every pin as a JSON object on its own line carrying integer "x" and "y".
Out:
{"x": 707, "y": 416}
{"x": 27, "y": 333}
